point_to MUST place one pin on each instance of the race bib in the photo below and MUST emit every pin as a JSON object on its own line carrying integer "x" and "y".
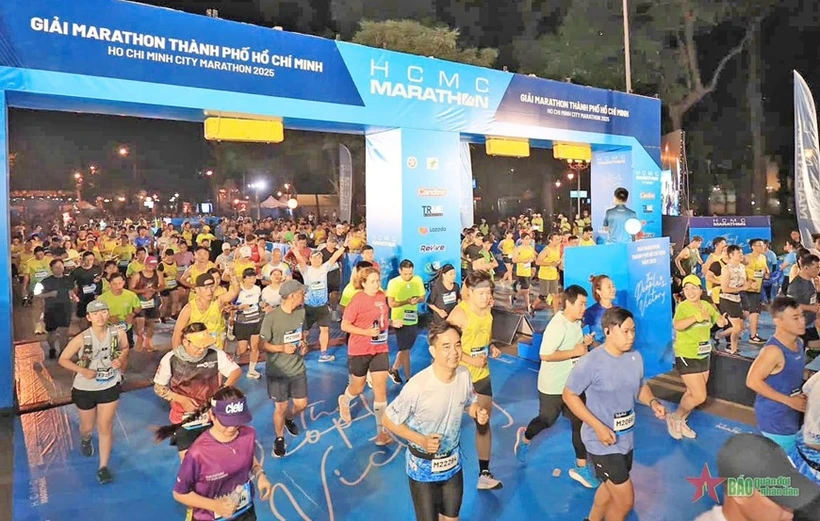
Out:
{"x": 242, "y": 497}
{"x": 704, "y": 348}
{"x": 40, "y": 275}
{"x": 759, "y": 274}
{"x": 196, "y": 423}
{"x": 170, "y": 283}
{"x": 526, "y": 265}
{"x": 123, "y": 263}
{"x": 380, "y": 339}
{"x": 449, "y": 298}
{"x": 319, "y": 285}
{"x": 89, "y": 289}
{"x": 574, "y": 361}
{"x": 104, "y": 375}
{"x": 292, "y": 337}
{"x": 411, "y": 316}
{"x": 480, "y": 351}
{"x": 147, "y": 304}
{"x": 252, "y": 309}
{"x": 444, "y": 464}
{"x": 624, "y": 421}
{"x": 121, "y": 325}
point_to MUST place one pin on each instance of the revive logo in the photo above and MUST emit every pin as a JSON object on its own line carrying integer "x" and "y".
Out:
{"x": 432, "y": 248}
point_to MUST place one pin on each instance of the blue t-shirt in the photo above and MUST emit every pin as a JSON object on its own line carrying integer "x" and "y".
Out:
{"x": 771, "y": 260}
{"x": 611, "y": 384}
{"x": 615, "y": 220}
{"x": 790, "y": 259}
{"x": 592, "y": 321}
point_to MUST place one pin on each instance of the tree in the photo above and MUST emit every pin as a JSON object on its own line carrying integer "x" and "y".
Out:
{"x": 664, "y": 36}
{"x": 413, "y": 37}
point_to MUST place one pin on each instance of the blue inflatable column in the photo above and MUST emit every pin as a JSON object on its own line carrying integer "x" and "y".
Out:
{"x": 413, "y": 195}
{"x": 6, "y": 341}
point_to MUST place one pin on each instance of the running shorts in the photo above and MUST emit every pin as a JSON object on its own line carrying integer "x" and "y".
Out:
{"x": 87, "y": 400}
{"x": 361, "y": 364}
{"x": 691, "y": 365}
{"x": 406, "y": 336}
{"x": 483, "y": 387}
{"x": 281, "y": 389}
{"x": 612, "y": 467}
{"x": 438, "y": 497}
{"x": 246, "y": 331}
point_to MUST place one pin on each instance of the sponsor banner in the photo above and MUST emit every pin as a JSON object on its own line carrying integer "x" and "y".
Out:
{"x": 732, "y": 221}
{"x": 737, "y": 230}
{"x": 345, "y": 183}
{"x": 383, "y": 178}
{"x": 424, "y": 230}
{"x": 806, "y": 160}
{"x": 467, "y": 186}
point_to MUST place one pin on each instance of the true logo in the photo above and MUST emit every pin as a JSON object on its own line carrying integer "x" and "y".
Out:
{"x": 432, "y": 211}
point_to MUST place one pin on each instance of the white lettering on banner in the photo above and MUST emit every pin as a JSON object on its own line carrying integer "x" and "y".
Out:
{"x": 448, "y": 90}
{"x": 225, "y": 56}
{"x": 574, "y": 109}
{"x": 650, "y": 290}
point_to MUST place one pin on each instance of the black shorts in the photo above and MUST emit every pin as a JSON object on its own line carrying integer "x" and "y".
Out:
{"x": 167, "y": 292}
{"x": 56, "y": 316}
{"x": 751, "y": 301}
{"x": 523, "y": 282}
{"x": 87, "y": 400}
{"x": 129, "y": 334}
{"x": 439, "y": 497}
{"x": 506, "y": 259}
{"x": 282, "y": 389}
{"x": 612, "y": 467}
{"x": 731, "y": 308}
{"x": 316, "y": 315}
{"x": 810, "y": 335}
{"x": 483, "y": 387}
{"x": 406, "y": 336}
{"x": 83, "y": 304}
{"x": 691, "y": 365}
{"x": 184, "y": 438}
{"x": 361, "y": 364}
{"x": 246, "y": 331}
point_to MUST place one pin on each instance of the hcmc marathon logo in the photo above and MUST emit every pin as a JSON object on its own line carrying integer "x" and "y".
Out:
{"x": 432, "y": 192}
{"x": 423, "y": 230}
{"x": 431, "y": 248}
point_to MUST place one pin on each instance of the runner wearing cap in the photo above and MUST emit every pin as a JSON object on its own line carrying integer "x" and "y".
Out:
{"x": 562, "y": 345}
{"x": 317, "y": 311}
{"x": 101, "y": 352}
{"x": 367, "y": 320}
{"x": 776, "y": 375}
{"x": 612, "y": 378}
{"x": 403, "y": 296}
{"x": 147, "y": 284}
{"x": 215, "y": 478}
{"x": 202, "y": 263}
{"x": 283, "y": 337}
{"x": 759, "y": 462}
{"x": 693, "y": 323}
{"x": 427, "y": 413}
{"x": 187, "y": 377}
{"x": 248, "y": 320}
{"x": 206, "y": 308}
{"x": 224, "y": 259}
{"x": 474, "y": 318}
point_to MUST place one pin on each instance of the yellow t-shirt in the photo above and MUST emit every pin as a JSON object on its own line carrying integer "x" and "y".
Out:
{"x": 475, "y": 339}
{"x": 205, "y": 237}
{"x": 213, "y": 320}
{"x": 400, "y": 290}
{"x": 507, "y": 246}
{"x": 527, "y": 254}
{"x": 124, "y": 253}
{"x": 585, "y": 242}
{"x": 347, "y": 295}
{"x": 550, "y": 272}
{"x": 37, "y": 270}
{"x": 121, "y": 306}
{"x": 755, "y": 273}
{"x": 134, "y": 267}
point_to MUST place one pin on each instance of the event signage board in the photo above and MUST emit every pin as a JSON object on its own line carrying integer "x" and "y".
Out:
{"x": 640, "y": 272}
{"x": 737, "y": 230}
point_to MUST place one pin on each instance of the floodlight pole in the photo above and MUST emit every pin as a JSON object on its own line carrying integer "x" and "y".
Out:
{"x": 627, "y": 64}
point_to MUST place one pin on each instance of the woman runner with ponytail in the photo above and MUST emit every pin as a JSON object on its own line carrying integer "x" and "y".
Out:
{"x": 216, "y": 478}
{"x": 187, "y": 376}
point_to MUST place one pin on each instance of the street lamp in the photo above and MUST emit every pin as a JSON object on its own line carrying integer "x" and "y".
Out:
{"x": 257, "y": 187}
{"x": 78, "y": 177}
{"x": 124, "y": 151}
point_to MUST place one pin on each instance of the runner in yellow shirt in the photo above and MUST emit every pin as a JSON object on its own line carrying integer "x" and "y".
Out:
{"x": 548, "y": 278}
{"x": 757, "y": 270}
{"x": 523, "y": 257}
{"x": 507, "y": 247}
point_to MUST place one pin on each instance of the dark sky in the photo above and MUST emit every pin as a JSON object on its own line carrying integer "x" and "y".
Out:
{"x": 51, "y": 146}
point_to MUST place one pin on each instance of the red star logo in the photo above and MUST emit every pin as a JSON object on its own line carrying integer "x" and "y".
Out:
{"x": 705, "y": 484}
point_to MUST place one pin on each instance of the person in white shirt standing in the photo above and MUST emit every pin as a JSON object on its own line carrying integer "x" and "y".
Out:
{"x": 248, "y": 320}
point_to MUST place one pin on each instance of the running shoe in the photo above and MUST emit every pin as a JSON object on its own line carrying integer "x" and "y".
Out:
{"x": 687, "y": 431}
{"x": 253, "y": 375}
{"x": 344, "y": 409}
{"x": 756, "y": 340}
{"x": 326, "y": 358}
{"x": 230, "y": 334}
{"x": 87, "y": 448}
{"x": 279, "y": 448}
{"x": 104, "y": 476}
{"x": 486, "y": 481}
{"x": 291, "y": 426}
{"x": 584, "y": 476}
{"x": 673, "y": 426}
{"x": 384, "y": 439}
{"x": 520, "y": 449}
{"x": 395, "y": 376}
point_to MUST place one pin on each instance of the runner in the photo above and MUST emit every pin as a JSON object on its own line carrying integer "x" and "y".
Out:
{"x": 803, "y": 289}
{"x": 689, "y": 257}
{"x": 366, "y": 319}
{"x": 334, "y": 277}
{"x": 776, "y": 375}
{"x": 87, "y": 278}
{"x": 206, "y": 308}
{"x": 215, "y": 479}
{"x": 37, "y": 269}
{"x": 270, "y": 295}
{"x": 612, "y": 378}
{"x": 101, "y": 352}
{"x": 202, "y": 263}
{"x": 474, "y": 318}
{"x": 248, "y": 320}
{"x": 549, "y": 289}
{"x": 563, "y": 344}
{"x": 444, "y": 294}
{"x": 523, "y": 257}
{"x": 403, "y": 296}
{"x": 427, "y": 413}
{"x": 170, "y": 295}
{"x": 693, "y": 322}
{"x": 187, "y": 377}
{"x": 732, "y": 283}
{"x": 122, "y": 305}
{"x": 757, "y": 270}
{"x": 274, "y": 263}
{"x": 147, "y": 284}
{"x": 138, "y": 264}
{"x": 58, "y": 294}
{"x": 806, "y": 454}
{"x": 283, "y": 337}
{"x": 604, "y": 293}
{"x": 507, "y": 247}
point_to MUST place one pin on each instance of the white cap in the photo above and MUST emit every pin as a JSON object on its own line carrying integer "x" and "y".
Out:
{"x": 226, "y": 246}
{"x": 244, "y": 251}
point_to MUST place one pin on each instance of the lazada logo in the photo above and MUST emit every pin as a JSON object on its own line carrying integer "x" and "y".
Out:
{"x": 424, "y": 230}
{"x": 432, "y": 192}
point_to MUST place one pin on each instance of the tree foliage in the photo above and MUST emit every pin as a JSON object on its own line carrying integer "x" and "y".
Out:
{"x": 412, "y": 37}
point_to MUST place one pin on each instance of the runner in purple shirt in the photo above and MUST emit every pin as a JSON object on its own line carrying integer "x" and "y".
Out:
{"x": 215, "y": 479}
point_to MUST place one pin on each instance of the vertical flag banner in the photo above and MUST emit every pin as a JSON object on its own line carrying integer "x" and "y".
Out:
{"x": 345, "y": 184}
{"x": 806, "y": 160}
{"x": 467, "y": 218}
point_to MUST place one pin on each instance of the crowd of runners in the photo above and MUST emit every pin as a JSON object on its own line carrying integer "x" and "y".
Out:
{"x": 229, "y": 295}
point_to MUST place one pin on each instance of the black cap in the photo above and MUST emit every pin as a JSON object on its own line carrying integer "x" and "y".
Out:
{"x": 204, "y": 280}
{"x": 759, "y": 458}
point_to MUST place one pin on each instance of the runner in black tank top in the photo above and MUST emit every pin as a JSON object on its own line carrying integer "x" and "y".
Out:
{"x": 147, "y": 284}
